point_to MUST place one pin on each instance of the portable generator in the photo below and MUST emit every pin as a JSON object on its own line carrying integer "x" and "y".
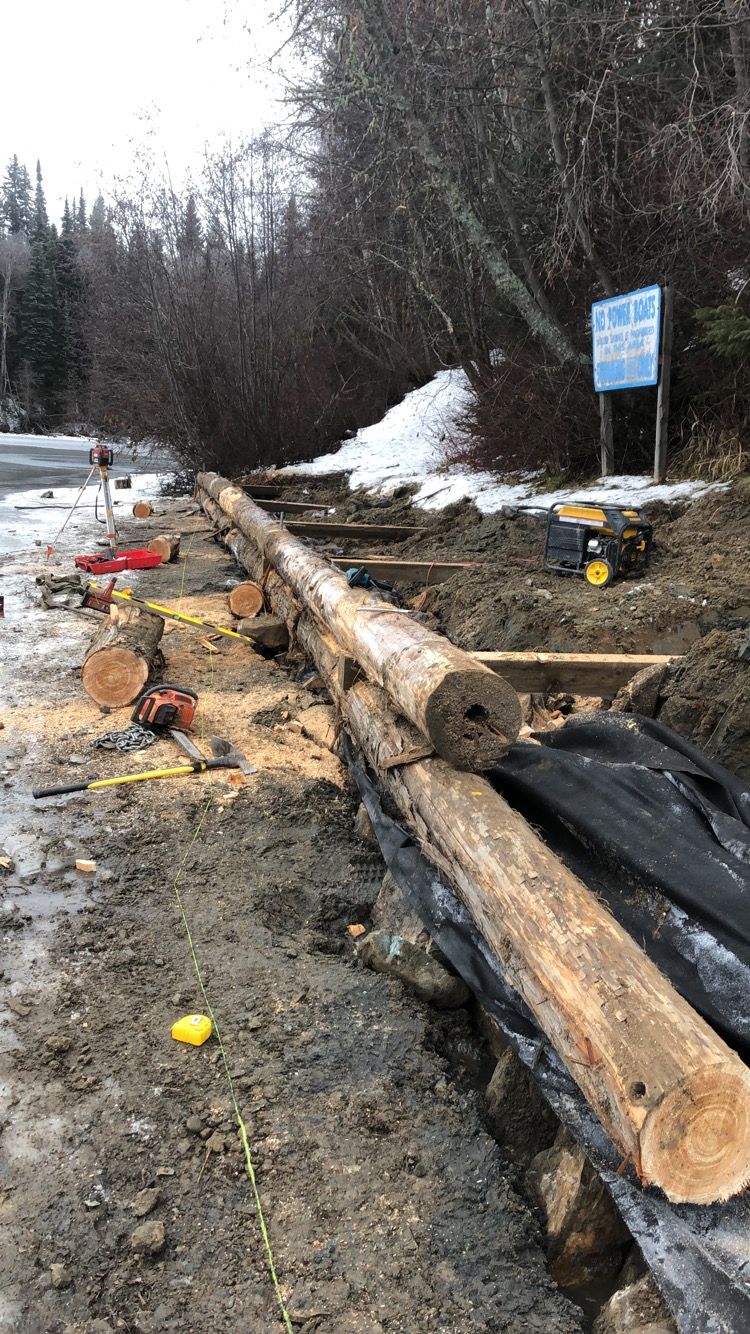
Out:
{"x": 597, "y": 542}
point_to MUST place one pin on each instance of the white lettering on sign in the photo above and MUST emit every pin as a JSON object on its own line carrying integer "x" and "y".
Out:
{"x": 625, "y": 333}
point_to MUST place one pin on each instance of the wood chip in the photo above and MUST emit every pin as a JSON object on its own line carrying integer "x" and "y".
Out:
{"x": 356, "y": 930}
{"x": 85, "y": 866}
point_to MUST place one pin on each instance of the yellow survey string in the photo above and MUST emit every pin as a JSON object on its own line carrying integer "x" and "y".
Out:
{"x": 249, "y": 1167}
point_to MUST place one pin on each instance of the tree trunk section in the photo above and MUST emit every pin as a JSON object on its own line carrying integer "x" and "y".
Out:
{"x": 166, "y": 546}
{"x": 246, "y": 600}
{"x": 470, "y": 715}
{"x": 121, "y": 658}
{"x": 672, "y": 1096}
{"x": 142, "y": 509}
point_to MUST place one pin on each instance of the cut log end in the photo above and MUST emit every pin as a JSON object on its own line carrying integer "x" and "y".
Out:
{"x": 165, "y": 545}
{"x": 114, "y": 676}
{"x": 246, "y": 600}
{"x": 473, "y": 719}
{"x": 142, "y": 509}
{"x": 696, "y": 1142}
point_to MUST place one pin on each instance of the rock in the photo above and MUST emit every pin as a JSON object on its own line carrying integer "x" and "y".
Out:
{"x": 145, "y": 1201}
{"x": 46, "y": 495}
{"x": 520, "y": 1117}
{"x": 59, "y": 1043}
{"x": 17, "y": 1007}
{"x": 641, "y": 694}
{"x": 585, "y": 1233}
{"x": 391, "y": 912}
{"x": 638, "y": 1308}
{"x": 363, "y": 825}
{"x": 194, "y": 1125}
{"x": 60, "y": 1276}
{"x": 148, "y": 1239}
{"x": 410, "y": 964}
{"x": 215, "y": 1142}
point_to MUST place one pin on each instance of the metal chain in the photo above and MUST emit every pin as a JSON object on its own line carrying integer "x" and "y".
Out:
{"x": 135, "y": 737}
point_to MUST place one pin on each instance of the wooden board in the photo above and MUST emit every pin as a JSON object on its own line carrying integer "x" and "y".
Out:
{"x": 574, "y": 673}
{"x": 290, "y": 506}
{"x": 393, "y": 532}
{"x": 425, "y": 572}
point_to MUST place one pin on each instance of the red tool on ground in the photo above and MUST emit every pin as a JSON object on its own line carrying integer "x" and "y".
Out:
{"x": 137, "y": 558}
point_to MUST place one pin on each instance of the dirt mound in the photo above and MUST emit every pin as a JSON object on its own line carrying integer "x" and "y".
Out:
{"x": 706, "y": 698}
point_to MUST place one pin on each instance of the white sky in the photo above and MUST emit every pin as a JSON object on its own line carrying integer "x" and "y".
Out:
{"x": 86, "y": 83}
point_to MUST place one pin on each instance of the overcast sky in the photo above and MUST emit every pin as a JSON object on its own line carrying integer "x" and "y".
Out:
{"x": 86, "y": 82}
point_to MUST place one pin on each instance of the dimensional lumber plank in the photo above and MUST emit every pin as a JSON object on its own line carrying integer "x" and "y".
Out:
{"x": 452, "y": 700}
{"x": 260, "y": 490}
{"x": 672, "y": 1096}
{"x": 165, "y": 545}
{"x": 393, "y": 532}
{"x": 121, "y": 657}
{"x": 426, "y": 572}
{"x": 290, "y": 506}
{"x": 576, "y": 673}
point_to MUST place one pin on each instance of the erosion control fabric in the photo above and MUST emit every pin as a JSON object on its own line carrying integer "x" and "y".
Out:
{"x": 663, "y": 833}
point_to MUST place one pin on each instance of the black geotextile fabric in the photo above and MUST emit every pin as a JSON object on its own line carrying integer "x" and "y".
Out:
{"x": 664, "y": 844}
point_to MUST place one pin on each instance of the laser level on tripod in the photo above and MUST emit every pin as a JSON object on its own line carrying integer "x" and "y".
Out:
{"x": 137, "y": 558}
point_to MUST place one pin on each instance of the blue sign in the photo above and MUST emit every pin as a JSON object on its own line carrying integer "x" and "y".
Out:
{"x": 625, "y": 331}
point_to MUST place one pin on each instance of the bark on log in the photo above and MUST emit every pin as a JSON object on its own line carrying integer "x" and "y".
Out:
{"x": 470, "y": 715}
{"x": 165, "y": 545}
{"x": 671, "y": 1094}
{"x": 121, "y": 657}
{"x": 673, "y": 1097}
{"x": 142, "y": 509}
{"x": 246, "y": 599}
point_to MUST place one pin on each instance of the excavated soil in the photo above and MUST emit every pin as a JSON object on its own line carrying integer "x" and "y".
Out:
{"x": 389, "y": 1206}
{"x": 697, "y": 583}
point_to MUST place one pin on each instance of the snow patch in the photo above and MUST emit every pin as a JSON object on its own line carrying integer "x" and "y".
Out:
{"x": 407, "y": 447}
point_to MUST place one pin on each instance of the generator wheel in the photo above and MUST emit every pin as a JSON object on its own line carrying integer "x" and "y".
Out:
{"x": 599, "y": 573}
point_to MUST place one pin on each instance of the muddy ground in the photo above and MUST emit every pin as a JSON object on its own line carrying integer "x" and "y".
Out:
{"x": 389, "y": 1205}
{"x": 693, "y": 600}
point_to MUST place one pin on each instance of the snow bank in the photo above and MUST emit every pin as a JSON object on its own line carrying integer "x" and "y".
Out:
{"x": 408, "y": 446}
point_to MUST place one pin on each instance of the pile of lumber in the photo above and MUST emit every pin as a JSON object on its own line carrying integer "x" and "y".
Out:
{"x": 671, "y": 1094}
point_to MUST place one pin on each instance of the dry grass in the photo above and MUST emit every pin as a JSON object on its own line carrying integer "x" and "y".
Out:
{"x": 711, "y": 454}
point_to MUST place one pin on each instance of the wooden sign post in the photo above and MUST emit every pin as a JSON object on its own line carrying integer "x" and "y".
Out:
{"x": 662, "y": 399}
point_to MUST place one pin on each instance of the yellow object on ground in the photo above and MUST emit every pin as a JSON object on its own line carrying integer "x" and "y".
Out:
{"x": 192, "y": 1028}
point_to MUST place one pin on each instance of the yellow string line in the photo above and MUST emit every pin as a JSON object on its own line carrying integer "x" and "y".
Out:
{"x": 249, "y": 1167}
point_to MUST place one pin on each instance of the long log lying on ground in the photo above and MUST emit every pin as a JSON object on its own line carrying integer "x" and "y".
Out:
{"x": 671, "y": 1094}
{"x": 576, "y": 673}
{"x": 469, "y": 715}
{"x": 673, "y": 1097}
{"x": 121, "y": 656}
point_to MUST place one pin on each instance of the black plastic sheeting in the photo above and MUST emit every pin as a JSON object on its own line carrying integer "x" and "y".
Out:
{"x": 664, "y": 833}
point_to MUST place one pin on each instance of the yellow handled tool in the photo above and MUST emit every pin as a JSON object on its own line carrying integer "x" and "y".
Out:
{"x": 100, "y": 598}
{"x": 90, "y": 784}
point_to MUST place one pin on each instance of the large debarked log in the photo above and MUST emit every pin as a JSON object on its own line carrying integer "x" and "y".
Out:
{"x": 673, "y": 1097}
{"x": 469, "y": 714}
{"x": 121, "y": 657}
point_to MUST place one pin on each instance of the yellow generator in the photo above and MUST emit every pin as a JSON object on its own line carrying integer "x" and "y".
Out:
{"x": 597, "y": 542}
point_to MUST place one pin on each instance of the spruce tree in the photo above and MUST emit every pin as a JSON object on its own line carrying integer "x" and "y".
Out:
{"x": 15, "y": 199}
{"x": 43, "y": 338}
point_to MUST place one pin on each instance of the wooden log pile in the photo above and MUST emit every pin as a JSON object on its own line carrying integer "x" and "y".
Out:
{"x": 672, "y": 1095}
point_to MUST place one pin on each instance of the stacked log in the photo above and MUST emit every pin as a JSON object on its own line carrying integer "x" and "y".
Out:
{"x": 469, "y": 714}
{"x": 672, "y": 1096}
